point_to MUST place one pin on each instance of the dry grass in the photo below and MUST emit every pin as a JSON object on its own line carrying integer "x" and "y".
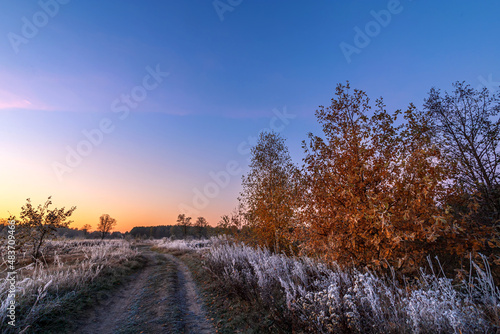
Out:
{"x": 65, "y": 269}
{"x": 303, "y": 295}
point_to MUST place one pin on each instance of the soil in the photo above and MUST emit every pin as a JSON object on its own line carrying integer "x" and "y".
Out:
{"x": 161, "y": 298}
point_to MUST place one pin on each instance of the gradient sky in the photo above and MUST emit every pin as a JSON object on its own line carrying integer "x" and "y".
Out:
{"x": 231, "y": 73}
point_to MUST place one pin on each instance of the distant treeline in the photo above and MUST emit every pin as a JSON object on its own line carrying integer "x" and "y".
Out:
{"x": 173, "y": 231}
{"x": 141, "y": 232}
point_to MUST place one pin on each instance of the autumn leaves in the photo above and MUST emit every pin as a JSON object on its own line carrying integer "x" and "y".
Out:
{"x": 375, "y": 189}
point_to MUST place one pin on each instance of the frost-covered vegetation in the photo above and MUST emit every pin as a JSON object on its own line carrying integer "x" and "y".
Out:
{"x": 381, "y": 188}
{"x": 63, "y": 269}
{"x": 184, "y": 244}
{"x": 305, "y": 295}
{"x": 308, "y": 296}
{"x": 377, "y": 198}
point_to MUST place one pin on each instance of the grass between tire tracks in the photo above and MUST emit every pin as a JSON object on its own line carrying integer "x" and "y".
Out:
{"x": 145, "y": 315}
{"x": 228, "y": 312}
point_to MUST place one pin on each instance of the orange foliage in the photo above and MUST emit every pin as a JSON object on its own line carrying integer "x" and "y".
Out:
{"x": 270, "y": 193}
{"x": 373, "y": 191}
{"x": 376, "y": 193}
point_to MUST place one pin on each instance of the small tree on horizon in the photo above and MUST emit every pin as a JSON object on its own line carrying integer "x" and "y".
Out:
{"x": 86, "y": 229}
{"x": 200, "y": 224}
{"x": 184, "y": 221}
{"x": 233, "y": 223}
{"x": 106, "y": 224}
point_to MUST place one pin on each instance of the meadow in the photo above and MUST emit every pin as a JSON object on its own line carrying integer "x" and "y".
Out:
{"x": 70, "y": 276}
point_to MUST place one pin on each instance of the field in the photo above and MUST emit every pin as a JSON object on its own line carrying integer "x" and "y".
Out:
{"x": 207, "y": 286}
{"x": 71, "y": 276}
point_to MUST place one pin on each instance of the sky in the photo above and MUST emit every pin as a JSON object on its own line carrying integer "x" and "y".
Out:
{"x": 147, "y": 109}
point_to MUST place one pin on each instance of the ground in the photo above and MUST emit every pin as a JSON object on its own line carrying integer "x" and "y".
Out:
{"x": 161, "y": 298}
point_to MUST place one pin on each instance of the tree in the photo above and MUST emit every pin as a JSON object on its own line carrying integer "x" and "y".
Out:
{"x": 37, "y": 224}
{"x": 106, "y": 224}
{"x": 232, "y": 224}
{"x": 86, "y": 229}
{"x": 200, "y": 224}
{"x": 270, "y": 192}
{"x": 181, "y": 218}
{"x": 375, "y": 193}
{"x": 468, "y": 127}
{"x": 224, "y": 225}
{"x": 184, "y": 221}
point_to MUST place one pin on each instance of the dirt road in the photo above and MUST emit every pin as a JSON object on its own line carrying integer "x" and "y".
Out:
{"x": 162, "y": 298}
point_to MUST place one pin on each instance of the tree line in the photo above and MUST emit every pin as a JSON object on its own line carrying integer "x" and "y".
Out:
{"x": 379, "y": 188}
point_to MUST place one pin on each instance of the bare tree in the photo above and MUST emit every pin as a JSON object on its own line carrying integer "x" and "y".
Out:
{"x": 200, "y": 224}
{"x": 181, "y": 218}
{"x": 233, "y": 223}
{"x": 224, "y": 224}
{"x": 468, "y": 126}
{"x": 106, "y": 224}
{"x": 187, "y": 223}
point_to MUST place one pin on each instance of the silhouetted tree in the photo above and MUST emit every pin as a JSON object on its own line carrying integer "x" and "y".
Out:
{"x": 106, "y": 224}
{"x": 468, "y": 127}
{"x": 86, "y": 229}
{"x": 201, "y": 224}
{"x": 37, "y": 224}
{"x": 184, "y": 221}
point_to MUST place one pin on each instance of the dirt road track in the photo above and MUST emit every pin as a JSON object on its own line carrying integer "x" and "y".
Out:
{"x": 161, "y": 298}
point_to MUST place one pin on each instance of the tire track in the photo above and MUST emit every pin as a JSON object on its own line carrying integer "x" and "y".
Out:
{"x": 195, "y": 320}
{"x": 162, "y": 298}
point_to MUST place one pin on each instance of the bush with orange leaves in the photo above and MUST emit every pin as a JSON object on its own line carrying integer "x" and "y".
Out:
{"x": 376, "y": 193}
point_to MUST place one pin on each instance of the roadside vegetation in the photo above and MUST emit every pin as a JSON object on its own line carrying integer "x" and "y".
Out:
{"x": 225, "y": 310}
{"x": 382, "y": 189}
{"x": 252, "y": 290}
{"x": 68, "y": 278}
{"x": 390, "y": 225}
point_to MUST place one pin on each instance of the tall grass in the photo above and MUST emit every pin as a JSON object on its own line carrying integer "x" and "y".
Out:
{"x": 309, "y": 296}
{"x": 65, "y": 268}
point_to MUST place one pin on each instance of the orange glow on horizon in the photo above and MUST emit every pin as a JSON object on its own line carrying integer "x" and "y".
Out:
{"x": 126, "y": 219}
{"x": 97, "y": 188}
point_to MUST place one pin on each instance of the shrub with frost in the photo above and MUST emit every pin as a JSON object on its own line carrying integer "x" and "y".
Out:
{"x": 317, "y": 298}
{"x": 41, "y": 287}
{"x": 183, "y": 244}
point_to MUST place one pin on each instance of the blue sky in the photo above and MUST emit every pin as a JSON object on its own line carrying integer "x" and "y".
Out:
{"x": 225, "y": 78}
